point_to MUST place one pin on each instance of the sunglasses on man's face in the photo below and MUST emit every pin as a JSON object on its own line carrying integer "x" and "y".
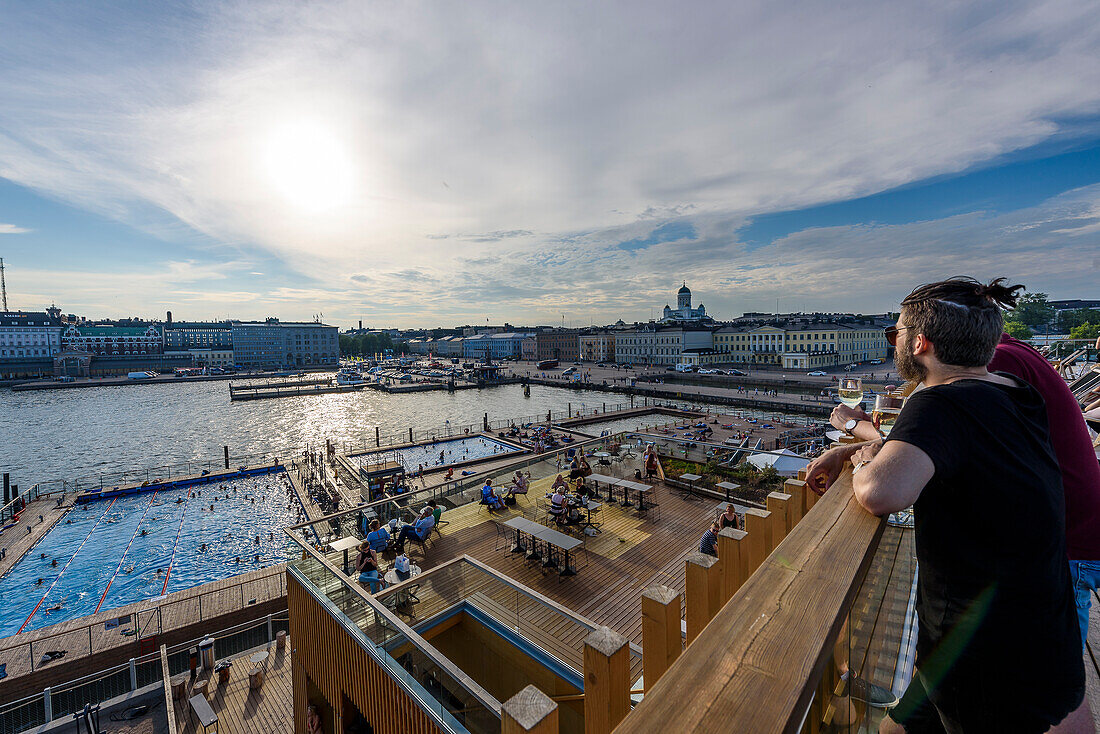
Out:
{"x": 892, "y": 334}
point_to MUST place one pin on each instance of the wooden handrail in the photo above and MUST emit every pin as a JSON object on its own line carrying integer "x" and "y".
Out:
{"x": 757, "y": 663}
{"x": 169, "y": 704}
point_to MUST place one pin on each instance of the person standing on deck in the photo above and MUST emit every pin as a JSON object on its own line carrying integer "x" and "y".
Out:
{"x": 968, "y": 447}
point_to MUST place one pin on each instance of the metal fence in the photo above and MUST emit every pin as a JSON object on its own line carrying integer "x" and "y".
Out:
{"x": 63, "y": 700}
{"x": 98, "y": 637}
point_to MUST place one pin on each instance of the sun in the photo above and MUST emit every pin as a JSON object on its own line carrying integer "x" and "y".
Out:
{"x": 306, "y": 163}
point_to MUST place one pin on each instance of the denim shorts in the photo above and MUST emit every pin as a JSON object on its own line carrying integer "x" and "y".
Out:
{"x": 1086, "y": 579}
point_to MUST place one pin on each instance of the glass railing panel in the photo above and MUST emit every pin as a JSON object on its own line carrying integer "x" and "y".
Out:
{"x": 872, "y": 660}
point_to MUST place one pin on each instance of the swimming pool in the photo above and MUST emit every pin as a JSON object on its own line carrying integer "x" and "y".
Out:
{"x": 632, "y": 423}
{"x": 112, "y": 552}
{"x": 450, "y": 451}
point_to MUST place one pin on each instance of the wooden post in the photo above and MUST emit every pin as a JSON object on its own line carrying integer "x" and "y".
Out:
{"x": 225, "y": 451}
{"x": 606, "y": 680}
{"x": 661, "y": 638}
{"x": 377, "y": 438}
{"x": 529, "y": 711}
{"x": 797, "y": 489}
{"x": 779, "y": 505}
{"x": 735, "y": 563}
{"x": 759, "y": 527}
{"x": 704, "y": 591}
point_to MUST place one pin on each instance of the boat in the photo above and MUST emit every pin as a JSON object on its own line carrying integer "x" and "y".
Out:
{"x": 349, "y": 376}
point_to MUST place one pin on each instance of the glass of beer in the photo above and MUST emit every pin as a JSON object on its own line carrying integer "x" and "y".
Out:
{"x": 886, "y": 412}
{"x": 850, "y": 391}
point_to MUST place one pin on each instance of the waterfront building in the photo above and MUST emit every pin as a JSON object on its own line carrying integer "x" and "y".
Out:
{"x": 476, "y": 346}
{"x": 507, "y": 344}
{"x": 449, "y": 346}
{"x": 558, "y": 344}
{"x": 799, "y": 344}
{"x": 212, "y": 357}
{"x": 528, "y": 349}
{"x": 113, "y": 340}
{"x": 597, "y": 346}
{"x": 275, "y": 344}
{"x": 28, "y": 342}
{"x": 186, "y": 335}
{"x": 418, "y": 345}
{"x": 636, "y": 345}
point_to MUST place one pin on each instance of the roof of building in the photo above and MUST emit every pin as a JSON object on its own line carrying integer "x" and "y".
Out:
{"x": 684, "y": 288}
{"x": 27, "y": 318}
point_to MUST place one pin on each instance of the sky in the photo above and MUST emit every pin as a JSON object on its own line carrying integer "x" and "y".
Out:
{"x": 417, "y": 164}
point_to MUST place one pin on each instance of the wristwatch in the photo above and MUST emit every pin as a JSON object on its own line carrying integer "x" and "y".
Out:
{"x": 851, "y": 425}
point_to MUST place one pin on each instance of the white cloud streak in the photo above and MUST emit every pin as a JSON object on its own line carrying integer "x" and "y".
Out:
{"x": 12, "y": 229}
{"x": 501, "y": 150}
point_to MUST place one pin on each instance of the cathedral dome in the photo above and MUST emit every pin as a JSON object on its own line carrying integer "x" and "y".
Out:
{"x": 684, "y": 289}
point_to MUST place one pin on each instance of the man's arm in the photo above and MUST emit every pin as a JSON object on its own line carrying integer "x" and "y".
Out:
{"x": 894, "y": 479}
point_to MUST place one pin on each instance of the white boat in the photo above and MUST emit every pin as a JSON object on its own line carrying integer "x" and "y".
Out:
{"x": 348, "y": 376}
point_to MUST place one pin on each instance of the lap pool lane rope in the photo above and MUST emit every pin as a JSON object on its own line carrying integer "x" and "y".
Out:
{"x": 125, "y": 552}
{"x": 66, "y": 566}
{"x": 175, "y": 547}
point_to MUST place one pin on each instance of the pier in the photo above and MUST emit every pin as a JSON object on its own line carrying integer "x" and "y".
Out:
{"x": 324, "y": 387}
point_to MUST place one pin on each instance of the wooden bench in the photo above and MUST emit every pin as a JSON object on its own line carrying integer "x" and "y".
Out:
{"x": 201, "y": 707}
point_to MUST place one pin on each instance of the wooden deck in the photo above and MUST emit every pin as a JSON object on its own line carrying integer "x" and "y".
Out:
{"x": 239, "y": 709}
{"x": 632, "y": 552}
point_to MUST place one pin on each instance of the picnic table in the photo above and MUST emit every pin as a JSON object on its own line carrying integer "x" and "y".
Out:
{"x": 552, "y": 538}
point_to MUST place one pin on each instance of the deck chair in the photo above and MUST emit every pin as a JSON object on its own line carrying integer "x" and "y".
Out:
{"x": 437, "y": 513}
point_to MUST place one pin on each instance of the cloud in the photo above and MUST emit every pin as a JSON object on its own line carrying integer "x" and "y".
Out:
{"x": 559, "y": 133}
{"x": 12, "y": 229}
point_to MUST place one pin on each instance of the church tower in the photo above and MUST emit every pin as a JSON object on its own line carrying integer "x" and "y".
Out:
{"x": 683, "y": 299}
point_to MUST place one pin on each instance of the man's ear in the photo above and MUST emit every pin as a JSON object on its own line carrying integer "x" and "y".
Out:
{"x": 921, "y": 345}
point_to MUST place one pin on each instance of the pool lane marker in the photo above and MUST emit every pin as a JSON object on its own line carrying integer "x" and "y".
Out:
{"x": 63, "y": 568}
{"x": 125, "y": 552}
{"x": 175, "y": 547}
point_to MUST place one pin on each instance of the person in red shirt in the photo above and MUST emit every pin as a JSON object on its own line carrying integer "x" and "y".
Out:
{"x": 1080, "y": 470}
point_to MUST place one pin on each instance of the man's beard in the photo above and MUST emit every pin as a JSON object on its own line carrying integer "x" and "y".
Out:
{"x": 908, "y": 366}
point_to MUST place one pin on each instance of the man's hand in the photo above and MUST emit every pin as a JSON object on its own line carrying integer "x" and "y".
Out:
{"x": 823, "y": 471}
{"x": 866, "y": 452}
{"x": 842, "y": 414}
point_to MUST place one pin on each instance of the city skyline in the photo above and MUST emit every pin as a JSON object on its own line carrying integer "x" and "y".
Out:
{"x": 434, "y": 165}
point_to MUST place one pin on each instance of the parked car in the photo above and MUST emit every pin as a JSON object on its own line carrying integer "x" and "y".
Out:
{"x": 568, "y": 371}
{"x": 877, "y": 361}
{"x": 817, "y": 373}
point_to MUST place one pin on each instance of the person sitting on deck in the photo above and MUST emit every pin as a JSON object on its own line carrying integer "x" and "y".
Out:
{"x": 728, "y": 519}
{"x": 559, "y": 484}
{"x": 420, "y": 529}
{"x": 378, "y": 539}
{"x": 489, "y": 496}
{"x": 575, "y": 469}
{"x": 450, "y": 474}
{"x": 709, "y": 542}
{"x": 559, "y": 506}
{"x": 583, "y": 490}
{"x": 367, "y": 566}
{"x": 519, "y": 484}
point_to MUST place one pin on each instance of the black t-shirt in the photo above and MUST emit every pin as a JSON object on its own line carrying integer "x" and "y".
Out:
{"x": 994, "y": 592}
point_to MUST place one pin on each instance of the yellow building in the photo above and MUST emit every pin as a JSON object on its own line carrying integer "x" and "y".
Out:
{"x": 799, "y": 345}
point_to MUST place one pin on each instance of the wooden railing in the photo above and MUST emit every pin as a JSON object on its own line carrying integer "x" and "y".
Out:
{"x": 780, "y": 590}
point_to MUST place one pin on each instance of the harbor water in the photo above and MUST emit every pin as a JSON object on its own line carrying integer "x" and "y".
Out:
{"x": 66, "y": 434}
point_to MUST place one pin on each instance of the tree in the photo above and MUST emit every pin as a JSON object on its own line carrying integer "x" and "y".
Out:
{"x": 1017, "y": 330}
{"x": 1033, "y": 310}
{"x": 1069, "y": 319}
{"x": 1085, "y": 331}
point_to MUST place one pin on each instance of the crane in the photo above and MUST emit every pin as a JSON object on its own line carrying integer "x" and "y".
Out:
{"x": 3, "y": 284}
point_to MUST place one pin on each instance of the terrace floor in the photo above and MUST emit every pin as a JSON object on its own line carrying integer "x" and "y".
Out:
{"x": 239, "y": 709}
{"x": 633, "y": 551}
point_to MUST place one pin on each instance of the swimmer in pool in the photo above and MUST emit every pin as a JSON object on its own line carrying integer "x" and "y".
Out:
{"x": 54, "y": 563}
{"x": 144, "y": 532}
{"x": 202, "y": 548}
{"x": 38, "y": 582}
{"x": 238, "y": 559}
{"x": 41, "y": 555}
